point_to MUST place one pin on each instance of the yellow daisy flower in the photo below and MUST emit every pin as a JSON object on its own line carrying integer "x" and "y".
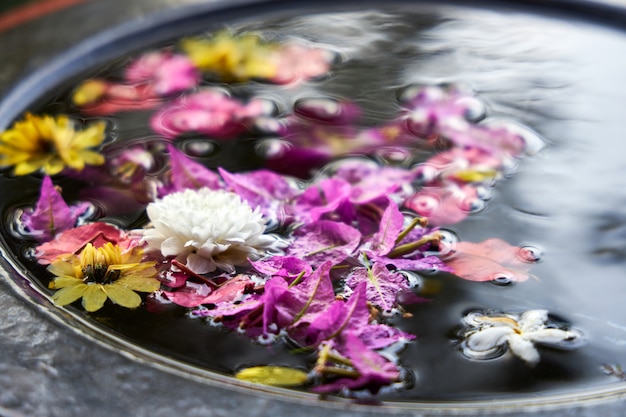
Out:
{"x": 100, "y": 273}
{"x": 49, "y": 144}
{"x": 233, "y": 57}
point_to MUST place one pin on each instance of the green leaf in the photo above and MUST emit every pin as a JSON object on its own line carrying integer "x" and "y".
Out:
{"x": 278, "y": 376}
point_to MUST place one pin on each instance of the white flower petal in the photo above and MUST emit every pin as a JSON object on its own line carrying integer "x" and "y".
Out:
{"x": 555, "y": 337}
{"x": 200, "y": 265}
{"x": 209, "y": 224}
{"x": 533, "y": 320}
{"x": 172, "y": 246}
{"x": 489, "y": 338}
{"x": 524, "y": 349}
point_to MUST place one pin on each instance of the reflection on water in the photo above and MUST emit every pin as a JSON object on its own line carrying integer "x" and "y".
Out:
{"x": 566, "y": 200}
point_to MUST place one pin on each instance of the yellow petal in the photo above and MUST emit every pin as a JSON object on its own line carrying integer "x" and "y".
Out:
{"x": 61, "y": 268}
{"x": 141, "y": 284}
{"x": 90, "y": 137}
{"x": 65, "y": 281}
{"x": 69, "y": 294}
{"x": 94, "y": 297}
{"x": 273, "y": 375}
{"x": 122, "y": 296}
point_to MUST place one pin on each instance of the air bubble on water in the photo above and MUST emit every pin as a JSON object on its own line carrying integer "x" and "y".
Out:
{"x": 474, "y": 205}
{"x": 352, "y": 168}
{"x": 502, "y": 280}
{"x": 425, "y": 173}
{"x": 424, "y": 91}
{"x": 475, "y": 109}
{"x": 30, "y": 253}
{"x": 272, "y": 148}
{"x": 533, "y": 142}
{"x": 530, "y": 253}
{"x": 269, "y": 125}
{"x": 199, "y": 147}
{"x": 484, "y": 193}
{"x": 16, "y": 225}
{"x": 394, "y": 156}
{"x": 414, "y": 280}
{"x": 447, "y": 242}
{"x": 321, "y": 108}
{"x": 92, "y": 212}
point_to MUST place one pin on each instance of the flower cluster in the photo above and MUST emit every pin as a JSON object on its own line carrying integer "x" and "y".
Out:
{"x": 317, "y": 246}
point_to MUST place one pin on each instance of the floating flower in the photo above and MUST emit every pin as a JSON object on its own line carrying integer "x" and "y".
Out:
{"x": 146, "y": 81}
{"x": 51, "y": 215}
{"x": 241, "y": 57}
{"x": 207, "y": 229}
{"x": 50, "y": 144}
{"x": 100, "y": 273}
{"x": 209, "y": 112}
{"x": 489, "y": 335}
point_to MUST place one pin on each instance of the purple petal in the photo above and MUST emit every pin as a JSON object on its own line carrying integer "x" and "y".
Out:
{"x": 287, "y": 267}
{"x": 51, "y": 214}
{"x": 188, "y": 174}
{"x": 391, "y": 225}
{"x": 379, "y": 336}
{"x": 322, "y": 198}
{"x": 324, "y": 241}
{"x": 382, "y": 285}
{"x": 341, "y": 316}
{"x": 263, "y": 189}
{"x": 311, "y": 296}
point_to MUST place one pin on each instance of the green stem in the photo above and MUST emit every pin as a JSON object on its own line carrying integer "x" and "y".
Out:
{"x": 415, "y": 222}
{"x": 410, "y": 247}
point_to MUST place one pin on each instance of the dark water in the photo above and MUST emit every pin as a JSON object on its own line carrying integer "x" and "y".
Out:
{"x": 562, "y": 79}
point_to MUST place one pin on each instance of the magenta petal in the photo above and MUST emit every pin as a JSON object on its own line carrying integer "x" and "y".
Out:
{"x": 188, "y": 174}
{"x": 382, "y": 285}
{"x": 302, "y": 301}
{"x": 391, "y": 225}
{"x": 263, "y": 189}
{"x": 324, "y": 197}
{"x": 341, "y": 316}
{"x": 51, "y": 214}
{"x": 287, "y": 267}
{"x": 427, "y": 263}
{"x": 191, "y": 295}
{"x": 272, "y": 312}
{"x": 375, "y": 370}
{"x": 324, "y": 241}
{"x": 378, "y": 370}
{"x": 379, "y": 336}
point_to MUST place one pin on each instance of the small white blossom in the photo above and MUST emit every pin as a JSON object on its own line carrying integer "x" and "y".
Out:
{"x": 489, "y": 335}
{"x": 207, "y": 229}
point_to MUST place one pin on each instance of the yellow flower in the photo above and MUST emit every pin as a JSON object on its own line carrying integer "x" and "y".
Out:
{"x": 232, "y": 57}
{"x": 50, "y": 144}
{"x": 100, "y": 273}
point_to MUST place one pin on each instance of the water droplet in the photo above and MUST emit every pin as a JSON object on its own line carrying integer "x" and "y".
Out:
{"x": 533, "y": 142}
{"x": 414, "y": 280}
{"x": 393, "y": 156}
{"x": 198, "y": 147}
{"x": 530, "y": 253}
{"x": 425, "y": 173}
{"x": 447, "y": 243}
{"x": 319, "y": 108}
{"x": 475, "y": 109}
{"x": 502, "y": 280}
{"x": 272, "y": 148}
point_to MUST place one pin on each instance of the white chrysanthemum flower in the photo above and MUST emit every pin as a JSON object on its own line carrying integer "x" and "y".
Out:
{"x": 207, "y": 230}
